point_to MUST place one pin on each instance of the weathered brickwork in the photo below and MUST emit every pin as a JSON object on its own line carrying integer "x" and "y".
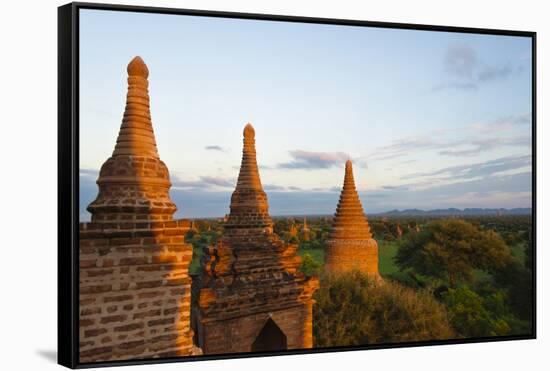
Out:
{"x": 134, "y": 291}
{"x": 251, "y": 296}
{"x": 237, "y": 335}
{"x": 134, "y": 287}
{"x": 350, "y": 245}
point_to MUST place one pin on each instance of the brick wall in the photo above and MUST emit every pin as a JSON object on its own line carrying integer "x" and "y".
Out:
{"x": 236, "y": 335}
{"x": 134, "y": 291}
{"x": 247, "y": 279}
{"x": 347, "y": 255}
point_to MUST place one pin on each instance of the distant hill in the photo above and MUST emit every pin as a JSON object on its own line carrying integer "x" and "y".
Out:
{"x": 454, "y": 211}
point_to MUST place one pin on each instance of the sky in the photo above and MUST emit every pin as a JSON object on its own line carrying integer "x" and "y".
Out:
{"x": 429, "y": 119}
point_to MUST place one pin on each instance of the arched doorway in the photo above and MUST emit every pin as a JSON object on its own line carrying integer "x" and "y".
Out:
{"x": 270, "y": 338}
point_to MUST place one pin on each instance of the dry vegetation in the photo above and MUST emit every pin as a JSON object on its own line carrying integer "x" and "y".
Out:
{"x": 352, "y": 309}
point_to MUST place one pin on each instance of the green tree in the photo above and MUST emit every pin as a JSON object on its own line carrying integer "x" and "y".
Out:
{"x": 389, "y": 237}
{"x": 451, "y": 249}
{"x": 475, "y": 316}
{"x": 352, "y": 309}
{"x": 516, "y": 280}
{"x": 309, "y": 266}
{"x": 511, "y": 238}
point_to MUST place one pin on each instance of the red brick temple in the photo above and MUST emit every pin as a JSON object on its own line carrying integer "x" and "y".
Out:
{"x": 251, "y": 296}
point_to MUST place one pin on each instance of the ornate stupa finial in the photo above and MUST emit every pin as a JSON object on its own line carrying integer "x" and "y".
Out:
{"x": 137, "y": 67}
{"x": 249, "y": 207}
{"x": 349, "y": 166}
{"x": 136, "y": 136}
{"x": 134, "y": 181}
{"x": 249, "y": 132}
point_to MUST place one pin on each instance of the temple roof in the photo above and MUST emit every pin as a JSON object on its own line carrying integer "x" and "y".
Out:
{"x": 350, "y": 222}
{"x": 249, "y": 206}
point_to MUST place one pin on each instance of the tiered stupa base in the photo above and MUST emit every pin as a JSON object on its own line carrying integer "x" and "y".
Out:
{"x": 345, "y": 256}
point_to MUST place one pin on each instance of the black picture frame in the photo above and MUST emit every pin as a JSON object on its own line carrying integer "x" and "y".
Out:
{"x": 68, "y": 175}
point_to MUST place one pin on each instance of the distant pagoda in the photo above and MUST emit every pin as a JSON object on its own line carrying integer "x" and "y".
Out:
{"x": 398, "y": 230}
{"x": 193, "y": 228}
{"x": 293, "y": 230}
{"x": 251, "y": 296}
{"x": 350, "y": 245}
{"x": 305, "y": 231}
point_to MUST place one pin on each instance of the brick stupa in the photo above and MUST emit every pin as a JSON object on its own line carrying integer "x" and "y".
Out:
{"x": 134, "y": 182}
{"x": 134, "y": 285}
{"x": 293, "y": 230}
{"x": 305, "y": 231}
{"x": 251, "y": 295}
{"x": 350, "y": 245}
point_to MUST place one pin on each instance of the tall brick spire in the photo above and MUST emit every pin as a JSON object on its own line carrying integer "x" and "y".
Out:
{"x": 136, "y": 136}
{"x": 134, "y": 182}
{"x": 350, "y": 221}
{"x": 350, "y": 245}
{"x": 249, "y": 207}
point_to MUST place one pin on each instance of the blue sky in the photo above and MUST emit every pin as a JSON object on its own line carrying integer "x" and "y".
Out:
{"x": 430, "y": 119}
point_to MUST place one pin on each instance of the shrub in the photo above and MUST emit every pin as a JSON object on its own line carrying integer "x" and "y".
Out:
{"x": 309, "y": 266}
{"x": 451, "y": 249}
{"x": 352, "y": 309}
{"x": 516, "y": 280}
{"x": 475, "y": 316}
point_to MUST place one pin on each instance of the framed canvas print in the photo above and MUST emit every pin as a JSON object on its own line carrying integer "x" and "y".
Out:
{"x": 236, "y": 185}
